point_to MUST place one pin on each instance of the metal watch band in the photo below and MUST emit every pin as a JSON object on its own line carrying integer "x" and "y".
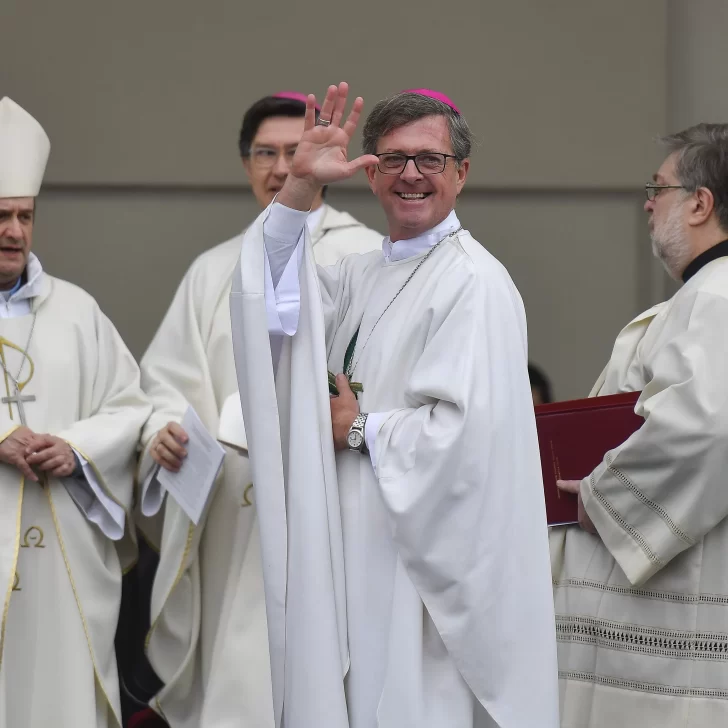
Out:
{"x": 358, "y": 427}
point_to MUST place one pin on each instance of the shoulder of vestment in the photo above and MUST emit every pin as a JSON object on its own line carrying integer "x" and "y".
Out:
{"x": 218, "y": 260}
{"x": 337, "y": 222}
{"x": 70, "y": 296}
{"x": 713, "y": 278}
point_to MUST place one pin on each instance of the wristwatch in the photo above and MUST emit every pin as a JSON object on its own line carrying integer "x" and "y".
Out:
{"x": 355, "y": 439}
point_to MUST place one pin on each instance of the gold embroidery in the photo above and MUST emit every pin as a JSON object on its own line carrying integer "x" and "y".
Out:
{"x": 37, "y": 544}
{"x": 15, "y": 566}
{"x": 16, "y": 583}
{"x": 7, "y": 434}
{"x": 97, "y": 673}
{"x": 246, "y": 502}
{"x": 177, "y": 579}
{"x": 130, "y": 531}
{"x": 21, "y": 383}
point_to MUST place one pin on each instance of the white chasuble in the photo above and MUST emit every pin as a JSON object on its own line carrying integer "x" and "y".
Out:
{"x": 642, "y": 609}
{"x": 61, "y": 577}
{"x": 419, "y": 596}
{"x": 208, "y": 641}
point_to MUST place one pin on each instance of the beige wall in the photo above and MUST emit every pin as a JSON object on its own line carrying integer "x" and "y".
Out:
{"x": 143, "y": 101}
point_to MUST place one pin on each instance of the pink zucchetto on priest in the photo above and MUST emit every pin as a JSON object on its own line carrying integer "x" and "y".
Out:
{"x": 294, "y": 96}
{"x": 433, "y": 95}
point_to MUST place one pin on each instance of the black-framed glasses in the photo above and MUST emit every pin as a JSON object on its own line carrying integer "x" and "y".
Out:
{"x": 426, "y": 162}
{"x": 652, "y": 190}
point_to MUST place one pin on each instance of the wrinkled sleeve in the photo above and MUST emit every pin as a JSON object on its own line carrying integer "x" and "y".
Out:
{"x": 459, "y": 473}
{"x": 284, "y": 240}
{"x": 175, "y": 373}
{"x": 115, "y": 410}
{"x": 93, "y": 502}
{"x": 285, "y": 237}
{"x": 663, "y": 490}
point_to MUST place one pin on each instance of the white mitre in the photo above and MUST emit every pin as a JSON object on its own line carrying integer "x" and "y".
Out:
{"x": 24, "y": 150}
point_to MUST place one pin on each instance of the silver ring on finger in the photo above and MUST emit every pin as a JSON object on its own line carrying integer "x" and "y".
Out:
{"x": 323, "y": 122}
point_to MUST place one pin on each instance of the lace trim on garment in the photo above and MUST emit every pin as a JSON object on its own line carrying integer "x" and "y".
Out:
{"x": 644, "y": 640}
{"x": 661, "y": 512}
{"x": 616, "y": 516}
{"x": 644, "y": 687}
{"x": 718, "y": 599}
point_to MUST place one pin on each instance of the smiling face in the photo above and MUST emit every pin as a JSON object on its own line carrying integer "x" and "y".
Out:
{"x": 16, "y": 237}
{"x": 271, "y": 152}
{"x": 414, "y": 202}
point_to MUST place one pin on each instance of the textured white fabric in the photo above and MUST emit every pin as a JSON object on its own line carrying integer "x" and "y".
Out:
{"x": 60, "y": 624}
{"x": 283, "y": 238}
{"x": 24, "y": 150}
{"x": 86, "y": 492}
{"x": 209, "y": 639}
{"x": 642, "y": 610}
{"x": 419, "y": 597}
{"x": 19, "y": 302}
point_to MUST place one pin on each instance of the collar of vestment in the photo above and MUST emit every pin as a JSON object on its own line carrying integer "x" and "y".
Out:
{"x": 707, "y": 256}
{"x": 315, "y": 218}
{"x": 30, "y": 282}
{"x": 403, "y": 249}
{"x": 330, "y": 219}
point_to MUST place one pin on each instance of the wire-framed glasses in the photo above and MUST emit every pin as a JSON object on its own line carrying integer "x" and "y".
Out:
{"x": 652, "y": 190}
{"x": 426, "y": 162}
{"x": 266, "y": 157}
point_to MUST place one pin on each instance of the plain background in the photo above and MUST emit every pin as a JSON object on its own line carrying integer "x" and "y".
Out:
{"x": 143, "y": 102}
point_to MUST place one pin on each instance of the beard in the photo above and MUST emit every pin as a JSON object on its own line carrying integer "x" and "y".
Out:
{"x": 669, "y": 242}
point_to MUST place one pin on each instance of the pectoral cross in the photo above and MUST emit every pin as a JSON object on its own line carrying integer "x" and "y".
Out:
{"x": 17, "y": 399}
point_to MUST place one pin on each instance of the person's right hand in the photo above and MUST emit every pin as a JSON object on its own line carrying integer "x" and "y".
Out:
{"x": 13, "y": 449}
{"x": 321, "y": 154}
{"x": 167, "y": 447}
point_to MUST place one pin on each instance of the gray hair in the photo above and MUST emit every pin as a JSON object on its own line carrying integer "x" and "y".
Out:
{"x": 403, "y": 108}
{"x": 702, "y": 161}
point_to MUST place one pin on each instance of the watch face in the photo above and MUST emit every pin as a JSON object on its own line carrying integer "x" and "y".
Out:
{"x": 355, "y": 440}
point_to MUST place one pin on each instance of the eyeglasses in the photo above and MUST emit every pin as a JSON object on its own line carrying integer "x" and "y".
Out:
{"x": 652, "y": 190}
{"x": 266, "y": 157}
{"x": 426, "y": 162}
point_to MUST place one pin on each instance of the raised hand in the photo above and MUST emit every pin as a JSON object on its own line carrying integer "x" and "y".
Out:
{"x": 321, "y": 156}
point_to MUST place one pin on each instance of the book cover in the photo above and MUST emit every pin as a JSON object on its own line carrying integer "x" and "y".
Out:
{"x": 573, "y": 438}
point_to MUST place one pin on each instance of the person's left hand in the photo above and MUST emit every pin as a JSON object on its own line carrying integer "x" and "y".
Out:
{"x": 52, "y": 455}
{"x": 344, "y": 410}
{"x": 574, "y": 486}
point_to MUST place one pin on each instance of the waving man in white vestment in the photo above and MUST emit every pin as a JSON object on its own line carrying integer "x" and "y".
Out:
{"x": 71, "y": 414}
{"x": 209, "y": 640}
{"x": 405, "y": 557}
{"x": 641, "y": 591}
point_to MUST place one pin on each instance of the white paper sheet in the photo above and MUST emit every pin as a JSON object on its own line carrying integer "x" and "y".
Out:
{"x": 191, "y": 486}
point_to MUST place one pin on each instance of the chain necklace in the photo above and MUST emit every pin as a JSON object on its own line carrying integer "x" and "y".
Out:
{"x": 14, "y": 379}
{"x": 349, "y": 368}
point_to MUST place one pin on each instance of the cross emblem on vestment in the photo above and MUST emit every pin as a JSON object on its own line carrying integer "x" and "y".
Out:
{"x": 17, "y": 399}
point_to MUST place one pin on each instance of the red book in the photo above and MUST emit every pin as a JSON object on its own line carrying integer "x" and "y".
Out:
{"x": 573, "y": 438}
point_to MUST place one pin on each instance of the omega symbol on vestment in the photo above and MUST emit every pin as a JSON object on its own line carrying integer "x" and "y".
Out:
{"x": 33, "y": 537}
